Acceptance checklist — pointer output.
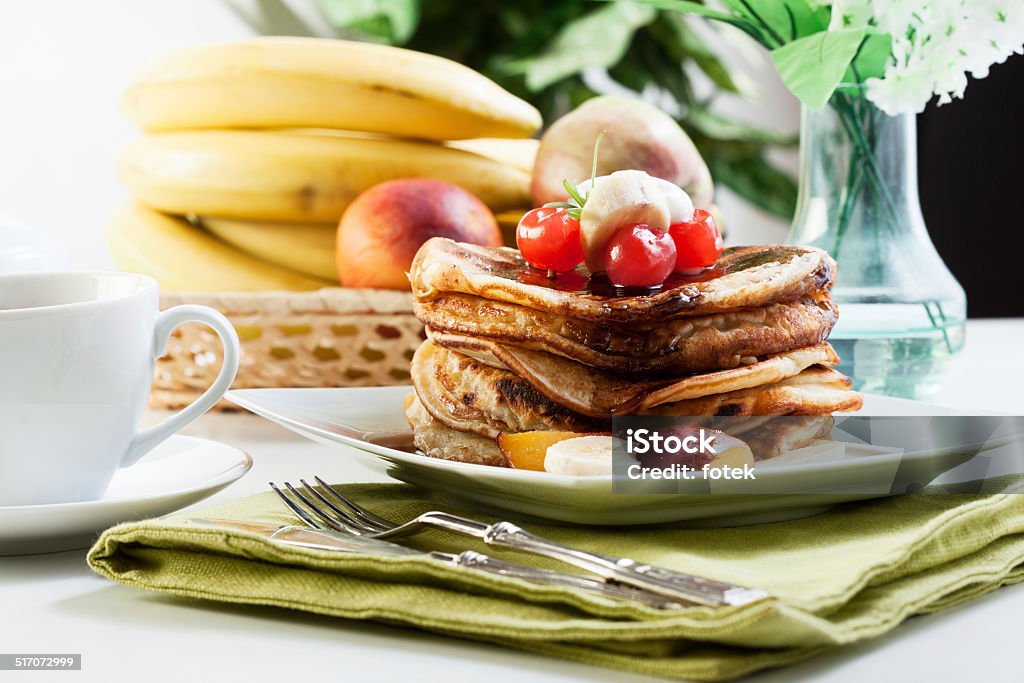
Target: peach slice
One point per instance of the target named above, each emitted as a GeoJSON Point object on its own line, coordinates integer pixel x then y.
{"type": "Point", "coordinates": [527, 450]}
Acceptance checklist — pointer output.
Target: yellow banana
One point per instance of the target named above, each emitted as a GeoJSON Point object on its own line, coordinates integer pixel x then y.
{"type": "Point", "coordinates": [306, 248]}
{"type": "Point", "coordinates": [315, 83]}
{"type": "Point", "coordinates": [515, 153]}
{"type": "Point", "coordinates": [184, 258]}
{"type": "Point", "coordinates": [298, 177]}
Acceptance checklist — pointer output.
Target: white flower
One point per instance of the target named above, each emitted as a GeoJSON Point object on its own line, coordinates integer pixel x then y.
{"type": "Point", "coordinates": [902, 91]}
{"type": "Point", "coordinates": [850, 14]}
{"type": "Point", "coordinates": [935, 44]}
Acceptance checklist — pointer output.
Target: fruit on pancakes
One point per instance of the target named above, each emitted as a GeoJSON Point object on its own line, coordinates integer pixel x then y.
{"type": "Point", "coordinates": [549, 239]}
{"type": "Point", "coordinates": [528, 450]}
{"type": "Point", "coordinates": [590, 455]}
{"type": "Point", "coordinates": [639, 257]}
{"type": "Point", "coordinates": [621, 223]}
{"type": "Point", "coordinates": [743, 278]}
{"type": "Point", "coordinates": [584, 456]}
{"type": "Point", "coordinates": [698, 242]}
{"type": "Point", "coordinates": [621, 199]}
{"type": "Point", "coordinates": [511, 351]}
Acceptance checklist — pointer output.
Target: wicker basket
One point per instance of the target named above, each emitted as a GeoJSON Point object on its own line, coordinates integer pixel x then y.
{"type": "Point", "coordinates": [327, 338]}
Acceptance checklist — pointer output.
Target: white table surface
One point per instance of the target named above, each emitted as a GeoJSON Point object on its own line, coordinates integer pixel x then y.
{"type": "Point", "coordinates": [54, 604]}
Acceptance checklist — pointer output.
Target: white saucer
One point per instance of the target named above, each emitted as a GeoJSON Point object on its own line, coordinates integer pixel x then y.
{"type": "Point", "coordinates": [181, 471]}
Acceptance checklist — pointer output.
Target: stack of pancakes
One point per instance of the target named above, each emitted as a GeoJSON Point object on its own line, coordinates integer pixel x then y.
{"type": "Point", "coordinates": [510, 350]}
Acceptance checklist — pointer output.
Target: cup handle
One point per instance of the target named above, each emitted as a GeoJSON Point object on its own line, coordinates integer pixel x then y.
{"type": "Point", "coordinates": [147, 439]}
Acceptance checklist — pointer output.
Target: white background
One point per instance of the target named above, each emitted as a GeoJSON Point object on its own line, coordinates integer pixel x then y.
{"type": "Point", "coordinates": [65, 63]}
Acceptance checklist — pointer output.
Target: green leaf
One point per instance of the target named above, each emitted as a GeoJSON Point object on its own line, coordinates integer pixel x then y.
{"type": "Point", "coordinates": [812, 67]}
{"type": "Point", "coordinates": [392, 21]}
{"type": "Point", "coordinates": [871, 59]}
{"type": "Point", "coordinates": [598, 38]}
{"type": "Point", "coordinates": [712, 125]}
{"type": "Point", "coordinates": [500, 39]}
{"type": "Point", "coordinates": [783, 20]}
{"type": "Point", "coordinates": [672, 33]}
{"type": "Point", "coordinates": [759, 183]}
{"type": "Point", "coordinates": [685, 7]}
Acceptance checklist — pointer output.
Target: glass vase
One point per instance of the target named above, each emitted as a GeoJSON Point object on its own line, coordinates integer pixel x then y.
{"type": "Point", "coordinates": [901, 312]}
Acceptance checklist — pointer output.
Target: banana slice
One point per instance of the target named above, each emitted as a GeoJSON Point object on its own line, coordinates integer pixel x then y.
{"type": "Point", "coordinates": [583, 456]}
{"type": "Point", "coordinates": [585, 186]}
{"type": "Point", "coordinates": [617, 200]}
{"type": "Point", "coordinates": [680, 206]}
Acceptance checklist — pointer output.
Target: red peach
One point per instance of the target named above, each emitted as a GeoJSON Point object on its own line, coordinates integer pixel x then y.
{"type": "Point", "coordinates": [637, 136]}
{"type": "Point", "coordinates": [383, 228]}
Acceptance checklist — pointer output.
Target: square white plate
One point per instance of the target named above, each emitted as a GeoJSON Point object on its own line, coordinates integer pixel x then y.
{"type": "Point", "coordinates": [371, 423]}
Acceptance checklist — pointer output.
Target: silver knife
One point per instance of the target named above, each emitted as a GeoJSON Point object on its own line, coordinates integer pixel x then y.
{"type": "Point", "coordinates": [323, 539]}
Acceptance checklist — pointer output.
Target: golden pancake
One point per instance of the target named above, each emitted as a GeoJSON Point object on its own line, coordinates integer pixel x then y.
{"type": "Point", "coordinates": [769, 436]}
{"type": "Point", "coordinates": [588, 391]}
{"type": "Point", "coordinates": [441, 430]}
{"type": "Point", "coordinates": [469, 396]}
{"type": "Point", "coordinates": [509, 349]}
{"type": "Point", "coordinates": [815, 391]}
{"type": "Point", "coordinates": [676, 347]}
{"type": "Point", "coordinates": [743, 277]}
{"type": "Point", "coordinates": [437, 440]}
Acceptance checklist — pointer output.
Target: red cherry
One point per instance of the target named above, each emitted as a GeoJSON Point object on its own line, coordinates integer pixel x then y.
{"type": "Point", "coordinates": [549, 239]}
{"type": "Point", "coordinates": [698, 243]}
{"type": "Point", "coordinates": [640, 257]}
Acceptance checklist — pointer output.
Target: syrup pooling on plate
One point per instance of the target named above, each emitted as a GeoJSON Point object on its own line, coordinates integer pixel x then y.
{"type": "Point", "coordinates": [744, 277]}
{"type": "Point", "coordinates": [579, 281]}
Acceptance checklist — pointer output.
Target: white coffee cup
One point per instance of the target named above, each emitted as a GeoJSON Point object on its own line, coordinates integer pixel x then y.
{"type": "Point", "coordinates": [77, 352]}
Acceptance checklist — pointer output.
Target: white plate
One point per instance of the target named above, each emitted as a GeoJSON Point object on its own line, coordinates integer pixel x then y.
{"type": "Point", "coordinates": [181, 471]}
{"type": "Point", "coordinates": [373, 422]}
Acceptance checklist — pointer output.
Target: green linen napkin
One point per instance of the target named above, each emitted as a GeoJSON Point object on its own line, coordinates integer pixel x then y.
{"type": "Point", "coordinates": [851, 573]}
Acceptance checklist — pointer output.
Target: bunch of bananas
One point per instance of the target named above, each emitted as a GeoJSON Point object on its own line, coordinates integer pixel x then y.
{"type": "Point", "coordinates": [253, 150]}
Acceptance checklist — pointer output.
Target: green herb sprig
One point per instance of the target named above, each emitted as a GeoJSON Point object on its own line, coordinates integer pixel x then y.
{"type": "Point", "coordinates": [574, 207]}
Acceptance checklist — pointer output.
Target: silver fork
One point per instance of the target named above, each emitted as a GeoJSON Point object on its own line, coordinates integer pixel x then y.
{"type": "Point", "coordinates": [337, 512]}
{"type": "Point", "coordinates": [468, 558]}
